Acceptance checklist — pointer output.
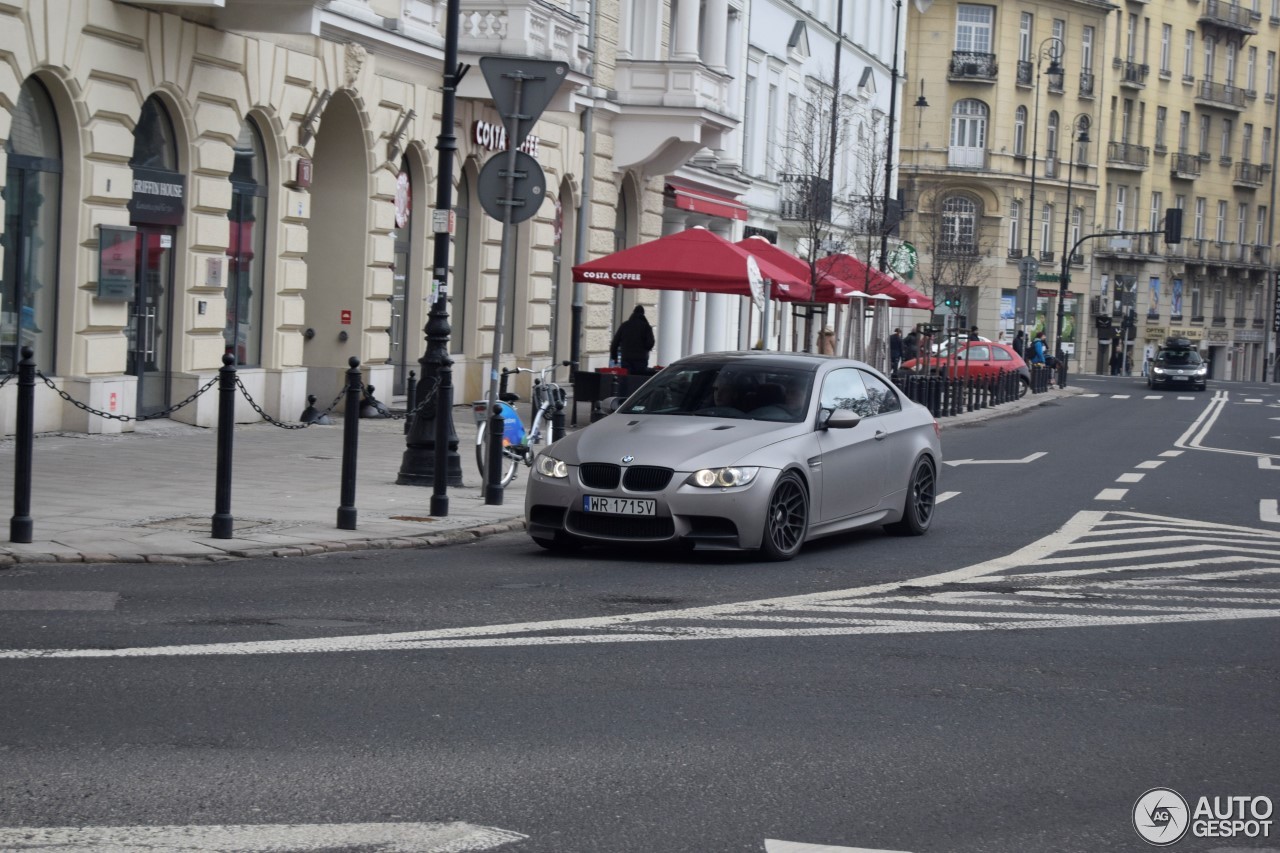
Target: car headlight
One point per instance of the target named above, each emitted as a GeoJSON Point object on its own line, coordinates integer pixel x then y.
{"type": "Point", "coordinates": [1159, 371]}
{"type": "Point", "coordinates": [549, 466]}
{"type": "Point", "coordinates": [1202, 370]}
{"type": "Point", "coordinates": [723, 478]}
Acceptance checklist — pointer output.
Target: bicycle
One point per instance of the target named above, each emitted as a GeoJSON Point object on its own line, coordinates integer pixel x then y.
{"type": "Point", "coordinates": [517, 442]}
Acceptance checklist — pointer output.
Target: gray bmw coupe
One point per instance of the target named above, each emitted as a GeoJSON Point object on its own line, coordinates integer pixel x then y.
{"type": "Point", "coordinates": [742, 450]}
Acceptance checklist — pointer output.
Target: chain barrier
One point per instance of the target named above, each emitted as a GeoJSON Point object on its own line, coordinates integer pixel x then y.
{"type": "Point", "coordinates": [281, 424]}
{"type": "Point", "coordinates": [399, 415]}
{"type": "Point", "coordinates": [6, 379]}
{"type": "Point", "coordinates": [109, 416]}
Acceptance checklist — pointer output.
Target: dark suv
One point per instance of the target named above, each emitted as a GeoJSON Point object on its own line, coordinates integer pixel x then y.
{"type": "Point", "coordinates": [1178, 365]}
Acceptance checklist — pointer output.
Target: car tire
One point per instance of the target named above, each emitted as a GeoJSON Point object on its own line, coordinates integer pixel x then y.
{"type": "Point", "coordinates": [920, 501]}
{"type": "Point", "coordinates": [1024, 385]}
{"type": "Point", "coordinates": [787, 519]}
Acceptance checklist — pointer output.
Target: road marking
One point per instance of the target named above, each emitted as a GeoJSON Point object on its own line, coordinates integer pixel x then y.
{"type": "Point", "coordinates": [1172, 453]}
{"type": "Point", "coordinates": [1186, 398]}
{"type": "Point", "coordinates": [1253, 399]}
{"type": "Point", "coordinates": [249, 838]}
{"type": "Point", "coordinates": [1024, 460]}
{"type": "Point", "coordinates": [1223, 552]}
{"type": "Point", "coordinates": [34, 599]}
{"type": "Point", "coordinates": [1154, 397]}
{"type": "Point", "coordinates": [1099, 395]}
{"type": "Point", "coordinates": [1155, 463]}
{"type": "Point", "coordinates": [1119, 396]}
{"type": "Point", "coordinates": [945, 496]}
{"type": "Point", "coordinates": [772, 845]}
{"type": "Point", "coordinates": [1130, 478]}
{"type": "Point", "coordinates": [1268, 463]}
{"type": "Point", "coordinates": [1268, 511]}
{"type": "Point", "coordinates": [1111, 495]}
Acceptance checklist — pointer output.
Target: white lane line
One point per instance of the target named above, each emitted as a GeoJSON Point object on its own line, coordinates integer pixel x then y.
{"type": "Point", "coordinates": [1186, 398]}
{"type": "Point", "coordinates": [1253, 399]}
{"type": "Point", "coordinates": [1119, 396]}
{"type": "Point", "coordinates": [1268, 511]}
{"type": "Point", "coordinates": [1221, 540]}
{"type": "Point", "coordinates": [1099, 395]}
{"type": "Point", "coordinates": [1130, 478]}
{"type": "Point", "coordinates": [945, 496]}
{"type": "Point", "coordinates": [248, 838]}
{"type": "Point", "coordinates": [1024, 460]}
{"type": "Point", "coordinates": [1111, 495]}
{"type": "Point", "coordinates": [1153, 463]}
{"type": "Point", "coordinates": [1154, 397]}
{"type": "Point", "coordinates": [1143, 567]}
{"type": "Point", "coordinates": [773, 845]}
{"type": "Point", "coordinates": [1169, 454]}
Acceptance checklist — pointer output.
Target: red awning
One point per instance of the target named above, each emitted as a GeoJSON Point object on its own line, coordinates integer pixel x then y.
{"type": "Point", "coordinates": [701, 201]}
{"type": "Point", "coordinates": [829, 288]}
{"type": "Point", "coordinates": [849, 269]}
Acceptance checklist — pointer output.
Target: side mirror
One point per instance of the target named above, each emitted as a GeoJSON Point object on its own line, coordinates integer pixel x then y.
{"type": "Point", "coordinates": [609, 405]}
{"type": "Point", "coordinates": [839, 419]}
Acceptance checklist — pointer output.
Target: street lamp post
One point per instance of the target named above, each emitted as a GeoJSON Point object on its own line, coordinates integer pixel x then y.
{"type": "Point", "coordinates": [1080, 125]}
{"type": "Point", "coordinates": [888, 160]}
{"type": "Point", "coordinates": [1055, 49]}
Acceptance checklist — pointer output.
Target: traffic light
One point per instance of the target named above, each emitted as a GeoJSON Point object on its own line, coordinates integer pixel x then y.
{"type": "Point", "coordinates": [1173, 225]}
{"type": "Point", "coordinates": [951, 301]}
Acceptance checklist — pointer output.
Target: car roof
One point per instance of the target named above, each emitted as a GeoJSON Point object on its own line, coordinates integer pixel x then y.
{"type": "Point", "coordinates": [766, 359]}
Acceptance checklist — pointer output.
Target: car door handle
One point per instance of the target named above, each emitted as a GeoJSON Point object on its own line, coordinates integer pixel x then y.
{"type": "Point", "coordinates": [881, 435]}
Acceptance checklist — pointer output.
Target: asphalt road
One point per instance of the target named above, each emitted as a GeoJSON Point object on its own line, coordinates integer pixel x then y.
{"type": "Point", "coordinates": [1013, 681]}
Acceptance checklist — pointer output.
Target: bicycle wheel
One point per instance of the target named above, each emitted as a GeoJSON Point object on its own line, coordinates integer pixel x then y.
{"type": "Point", "coordinates": [509, 459]}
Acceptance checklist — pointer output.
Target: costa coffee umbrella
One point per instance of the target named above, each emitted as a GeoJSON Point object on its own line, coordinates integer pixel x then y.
{"type": "Point", "coordinates": [853, 271]}
{"type": "Point", "coordinates": [828, 289]}
{"type": "Point", "coordinates": [695, 259]}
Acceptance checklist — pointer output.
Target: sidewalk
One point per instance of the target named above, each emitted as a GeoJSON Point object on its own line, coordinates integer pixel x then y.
{"type": "Point", "coordinates": [149, 495]}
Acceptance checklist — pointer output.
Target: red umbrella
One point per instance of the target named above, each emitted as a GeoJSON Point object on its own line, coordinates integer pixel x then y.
{"type": "Point", "coordinates": [854, 271]}
{"type": "Point", "coordinates": [829, 288]}
{"type": "Point", "coordinates": [694, 259]}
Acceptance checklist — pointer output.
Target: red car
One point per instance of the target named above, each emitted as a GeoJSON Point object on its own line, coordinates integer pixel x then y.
{"type": "Point", "coordinates": [977, 359]}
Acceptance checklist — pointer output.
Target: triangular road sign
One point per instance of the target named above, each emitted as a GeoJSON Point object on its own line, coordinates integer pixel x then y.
{"type": "Point", "coordinates": [540, 80]}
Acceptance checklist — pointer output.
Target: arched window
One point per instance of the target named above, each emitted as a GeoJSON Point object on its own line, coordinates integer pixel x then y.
{"type": "Point", "coordinates": [959, 225]}
{"type": "Point", "coordinates": [154, 143]}
{"type": "Point", "coordinates": [969, 134]}
{"type": "Point", "coordinates": [246, 248]}
{"type": "Point", "coordinates": [32, 208]}
{"type": "Point", "coordinates": [1020, 131]}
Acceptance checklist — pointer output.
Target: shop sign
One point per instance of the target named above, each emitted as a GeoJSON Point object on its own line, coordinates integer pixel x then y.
{"type": "Point", "coordinates": [1248, 336]}
{"type": "Point", "coordinates": [117, 263]}
{"type": "Point", "coordinates": [1156, 332]}
{"type": "Point", "coordinates": [344, 317]}
{"type": "Point", "coordinates": [493, 137]}
{"type": "Point", "coordinates": [158, 197]}
{"type": "Point", "coordinates": [1217, 335]}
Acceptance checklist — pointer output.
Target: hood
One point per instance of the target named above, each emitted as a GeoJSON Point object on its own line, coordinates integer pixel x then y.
{"type": "Point", "coordinates": [683, 443]}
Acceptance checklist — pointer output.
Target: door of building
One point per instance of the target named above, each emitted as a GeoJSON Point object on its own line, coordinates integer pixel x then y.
{"type": "Point", "coordinates": [150, 318]}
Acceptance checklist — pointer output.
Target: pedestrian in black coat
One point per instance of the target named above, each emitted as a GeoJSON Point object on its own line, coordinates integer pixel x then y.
{"type": "Point", "coordinates": [632, 343]}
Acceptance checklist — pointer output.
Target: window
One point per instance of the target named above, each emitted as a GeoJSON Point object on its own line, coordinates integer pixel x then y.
{"type": "Point", "coordinates": [1271, 73]}
{"type": "Point", "coordinates": [881, 398]}
{"type": "Point", "coordinates": [1226, 140]}
{"type": "Point", "coordinates": [968, 134]}
{"type": "Point", "coordinates": [1210, 52]}
{"type": "Point", "coordinates": [1221, 233]}
{"type": "Point", "coordinates": [1162, 116]}
{"type": "Point", "coordinates": [1266, 146]}
{"type": "Point", "coordinates": [1205, 126]}
{"type": "Point", "coordinates": [32, 207]}
{"type": "Point", "coordinates": [1231, 63]}
{"type": "Point", "coordinates": [1086, 50]}
{"type": "Point", "coordinates": [1219, 305]}
{"type": "Point", "coordinates": [1020, 131]}
{"type": "Point", "coordinates": [1260, 227]}
{"type": "Point", "coordinates": [749, 132]}
{"type": "Point", "coordinates": [1199, 224]}
{"type": "Point", "coordinates": [1189, 56]}
{"type": "Point", "coordinates": [1166, 47]}
{"type": "Point", "coordinates": [771, 129]}
{"type": "Point", "coordinates": [1046, 229]}
{"type": "Point", "coordinates": [973, 28]}
{"type": "Point", "coordinates": [1251, 70]}
{"type": "Point", "coordinates": [1077, 224]}
{"type": "Point", "coordinates": [1184, 132]}
{"type": "Point", "coordinates": [1197, 303]}
{"type": "Point", "coordinates": [1025, 28]}
{"type": "Point", "coordinates": [1015, 227]}
{"type": "Point", "coordinates": [1126, 119]}
{"type": "Point", "coordinates": [1246, 144]}
{"type": "Point", "coordinates": [1242, 224]}
{"type": "Point", "coordinates": [1122, 196]}
{"type": "Point", "coordinates": [1157, 211]}
{"type": "Point", "coordinates": [959, 224]}
{"type": "Point", "coordinates": [1131, 38]}
{"type": "Point", "coordinates": [246, 248]}
{"type": "Point", "coordinates": [1051, 138]}
{"type": "Point", "coordinates": [843, 389]}
{"type": "Point", "coordinates": [1059, 31]}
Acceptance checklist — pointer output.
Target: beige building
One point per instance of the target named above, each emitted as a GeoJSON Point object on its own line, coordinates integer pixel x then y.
{"type": "Point", "coordinates": [188, 178]}
{"type": "Point", "coordinates": [1039, 123]}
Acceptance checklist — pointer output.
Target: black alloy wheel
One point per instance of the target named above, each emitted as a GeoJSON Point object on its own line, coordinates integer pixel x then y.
{"type": "Point", "coordinates": [917, 513]}
{"type": "Point", "coordinates": [787, 519]}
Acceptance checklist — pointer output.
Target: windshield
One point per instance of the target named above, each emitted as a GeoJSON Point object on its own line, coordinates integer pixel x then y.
{"type": "Point", "coordinates": [726, 390]}
{"type": "Point", "coordinates": [1179, 358]}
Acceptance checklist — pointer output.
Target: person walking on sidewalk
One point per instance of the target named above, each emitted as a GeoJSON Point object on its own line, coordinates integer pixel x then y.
{"type": "Point", "coordinates": [633, 342]}
{"type": "Point", "coordinates": [895, 350]}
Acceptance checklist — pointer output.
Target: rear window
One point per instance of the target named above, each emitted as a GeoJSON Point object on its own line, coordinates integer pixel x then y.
{"type": "Point", "coordinates": [1179, 358]}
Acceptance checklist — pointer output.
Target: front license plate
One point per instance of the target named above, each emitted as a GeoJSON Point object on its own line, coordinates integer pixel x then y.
{"type": "Point", "coordinates": [619, 506]}
{"type": "Point", "coordinates": [1179, 378]}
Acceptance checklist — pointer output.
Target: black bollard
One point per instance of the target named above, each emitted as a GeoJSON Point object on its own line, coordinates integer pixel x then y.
{"type": "Point", "coordinates": [223, 523]}
{"type": "Point", "coordinates": [411, 400]}
{"type": "Point", "coordinates": [372, 407]}
{"type": "Point", "coordinates": [311, 415]}
{"type": "Point", "coordinates": [440, 454]}
{"type": "Point", "coordinates": [493, 459]}
{"type": "Point", "coordinates": [350, 441]}
{"type": "Point", "coordinates": [20, 525]}
{"type": "Point", "coordinates": [557, 418]}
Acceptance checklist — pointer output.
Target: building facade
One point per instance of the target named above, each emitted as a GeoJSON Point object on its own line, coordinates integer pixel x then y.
{"type": "Point", "coordinates": [1072, 119]}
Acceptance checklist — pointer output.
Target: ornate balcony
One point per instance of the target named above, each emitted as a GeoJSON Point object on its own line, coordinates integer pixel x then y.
{"type": "Point", "coordinates": [1086, 84]}
{"type": "Point", "coordinates": [957, 249]}
{"type": "Point", "coordinates": [1124, 155]}
{"type": "Point", "coordinates": [1229, 16]}
{"type": "Point", "coordinates": [533, 28]}
{"type": "Point", "coordinates": [968, 66]}
{"type": "Point", "coordinates": [668, 111]}
{"type": "Point", "coordinates": [1248, 175]}
{"type": "Point", "coordinates": [1185, 166]}
{"type": "Point", "coordinates": [1026, 72]}
{"type": "Point", "coordinates": [1133, 74]}
{"type": "Point", "coordinates": [805, 198]}
{"type": "Point", "coordinates": [1220, 95]}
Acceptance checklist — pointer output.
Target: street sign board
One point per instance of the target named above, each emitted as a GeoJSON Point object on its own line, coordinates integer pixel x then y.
{"type": "Point", "coordinates": [1027, 268]}
{"type": "Point", "coordinates": [538, 79]}
{"type": "Point", "coordinates": [527, 191]}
